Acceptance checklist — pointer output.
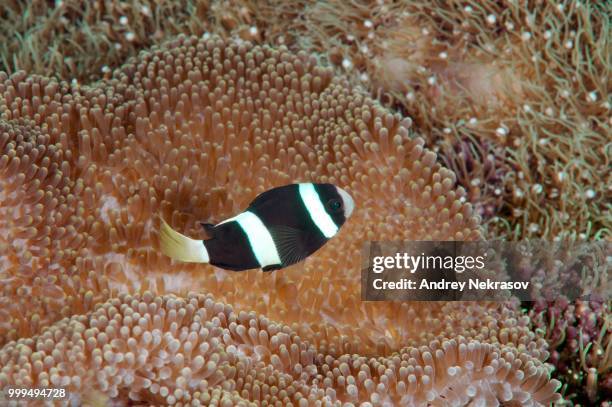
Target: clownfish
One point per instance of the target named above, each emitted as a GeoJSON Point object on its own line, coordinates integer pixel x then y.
{"type": "Point", "coordinates": [280, 227]}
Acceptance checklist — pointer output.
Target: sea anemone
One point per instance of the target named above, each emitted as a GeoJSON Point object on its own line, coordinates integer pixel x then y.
{"type": "Point", "coordinates": [195, 351]}
{"type": "Point", "coordinates": [192, 131]}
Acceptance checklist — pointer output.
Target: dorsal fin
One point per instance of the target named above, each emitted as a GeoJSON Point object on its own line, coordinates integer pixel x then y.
{"type": "Point", "coordinates": [208, 228]}
{"type": "Point", "coordinates": [271, 195]}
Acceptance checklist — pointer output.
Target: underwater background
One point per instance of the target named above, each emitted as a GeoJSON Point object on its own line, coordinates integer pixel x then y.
{"type": "Point", "coordinates": [445, 120]}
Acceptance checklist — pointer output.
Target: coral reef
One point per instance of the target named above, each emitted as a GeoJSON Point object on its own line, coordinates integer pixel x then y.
{"type": "Point", "coordinates": [581, 349]}
{"type": "Point", "coordinates": [84, 40]}
{"type": "Point", "coordinates": [195, 351]}
{"type": "Point", "coordinates": [572, 311]}
{"type": "Point", "coordinates": [518, 88]}
{"type": "Point", "coordinates": [512, 96]}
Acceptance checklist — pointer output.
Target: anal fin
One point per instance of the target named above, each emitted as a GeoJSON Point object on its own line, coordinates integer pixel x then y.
{"type": "Point", "coordinates": [272, 267]}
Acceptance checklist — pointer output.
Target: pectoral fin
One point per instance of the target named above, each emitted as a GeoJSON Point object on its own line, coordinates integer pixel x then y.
{"type": "Point", "coordinates": [291, 243]}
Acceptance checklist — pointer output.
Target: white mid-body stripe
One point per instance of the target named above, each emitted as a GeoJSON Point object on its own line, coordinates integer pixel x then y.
{"type": "Point", "coordinates": [316, 210]}
{"type": "Point", "coordinates": [259, 237]}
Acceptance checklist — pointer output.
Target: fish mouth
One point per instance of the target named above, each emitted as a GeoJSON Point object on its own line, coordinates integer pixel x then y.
{"type": "Point", "coordinates": [348, 202]}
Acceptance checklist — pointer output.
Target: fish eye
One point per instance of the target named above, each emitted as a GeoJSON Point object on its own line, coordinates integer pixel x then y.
{"type": "Point", "coordinates": [334, 204]}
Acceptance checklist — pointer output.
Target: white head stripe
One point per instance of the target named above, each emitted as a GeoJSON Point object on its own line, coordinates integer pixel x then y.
{"type": "Point", "coordinates": [259, 237]}
{"type": "Point", "coordinates": [316, 210]}
{"type": "Point", "coordinates": [349, 204]}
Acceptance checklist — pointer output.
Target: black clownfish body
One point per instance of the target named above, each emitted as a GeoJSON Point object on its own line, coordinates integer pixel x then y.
{"type": "Point", "coordinates": [281, 227]}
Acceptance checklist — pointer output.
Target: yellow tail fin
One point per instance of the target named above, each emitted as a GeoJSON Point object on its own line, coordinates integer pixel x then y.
{"type": "Point", "coordinates": [180, 247]}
